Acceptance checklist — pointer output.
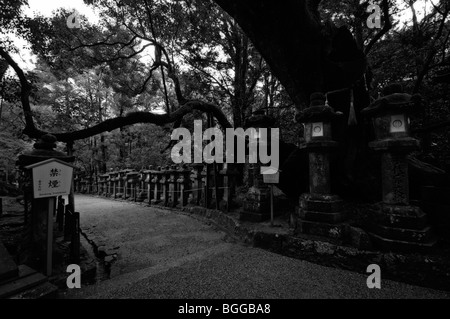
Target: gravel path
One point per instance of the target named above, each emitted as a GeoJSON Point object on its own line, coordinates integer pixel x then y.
{"type": "Point", "coordinates": [163, 254]}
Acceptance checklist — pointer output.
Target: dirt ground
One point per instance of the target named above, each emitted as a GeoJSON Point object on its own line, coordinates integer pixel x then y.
{"type": "Point", "coordinates": [156, 253]}
{"type": "Point", "coordinates": [11, 234]}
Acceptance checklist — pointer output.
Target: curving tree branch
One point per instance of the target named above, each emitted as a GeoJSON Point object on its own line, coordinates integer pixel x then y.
{"type": "Point", "coordinates": [111, 124]}
{"type": "Point", "coordinates": [25, 88]}
{"type": "Point", "coordinates": [135, 118]}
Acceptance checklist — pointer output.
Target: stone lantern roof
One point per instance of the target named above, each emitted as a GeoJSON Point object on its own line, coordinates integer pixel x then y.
{"type": "Point", "coordinates": [317, 111]}
{"type": "Point", "coordinates": [126, 171]}
{"type": "Point", "coordinates": [394, 100]}
{"type": "Point", "coordinates": [260, 120]}
{"type": "Point", "coordinates": [43, 149]}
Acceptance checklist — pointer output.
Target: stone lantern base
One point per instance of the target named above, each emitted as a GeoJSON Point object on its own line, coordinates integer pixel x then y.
{"type": "Point", "coordinates": [321, 208]}
{"type": "Point", "coordinates": [404, 228]}
{"type": "Point", "coordinates": [321, 215]}
{"type": "Point", "coordinates": [142, 196]}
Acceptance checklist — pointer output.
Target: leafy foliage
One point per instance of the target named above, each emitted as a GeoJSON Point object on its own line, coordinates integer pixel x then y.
{"type": "Point", "coordinates": [157, 55]}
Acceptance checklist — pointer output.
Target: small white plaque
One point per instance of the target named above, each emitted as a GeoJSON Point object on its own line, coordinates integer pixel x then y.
{"type": "Point", "coordinates": [317, 129]}
{"type": "Point", "coordinates": [398, 123]}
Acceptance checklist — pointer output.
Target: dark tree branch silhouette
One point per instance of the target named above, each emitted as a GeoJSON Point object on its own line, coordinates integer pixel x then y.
{"type": "Point", "coordinates": [110, 124]}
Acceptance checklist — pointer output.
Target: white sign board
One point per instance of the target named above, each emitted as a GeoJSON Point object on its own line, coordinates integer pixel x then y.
{"type": "Point", "coordinates": [51, 178]}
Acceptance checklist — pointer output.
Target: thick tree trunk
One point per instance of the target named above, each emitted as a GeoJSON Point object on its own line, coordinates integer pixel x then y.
{"type": "Point", "coordinates": [103, 154]}
{"type": "Point", "coordinates": [304, 55]}
{"type": "Point", "coordinates": [288, 37]}
{"type": "Point", "coordinates": [240, 73]}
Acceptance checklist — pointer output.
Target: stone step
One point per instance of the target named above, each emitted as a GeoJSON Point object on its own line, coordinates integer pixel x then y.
{"type": "Point", "coordinates": [403, 234]}
{"type": "Point", "coordinates": [22, 272]}
{"type": "Point", "coordinates": [336, 231]}
{"type": "Point", "coordinates": [386, 244]}
{"type": "Point", "coordinates": [43, 291]}
{"type": "Point", "coordinates": [325, 217]}
{"type": "Point", "coordinates": [8, 268]}
{"type": "Point", "coordinates": [27, 279]}
{"type": "Point", "coordinates": [326, 206]}
{"type": "Point", "coordinates": [418, 222]}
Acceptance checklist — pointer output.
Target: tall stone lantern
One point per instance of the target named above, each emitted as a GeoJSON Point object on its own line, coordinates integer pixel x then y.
{"type": "Point", "coordinates": [34, 244]}
{"type": "Point", "coordinates": [320, 212]}
{"type": "Point", "coordinates": [113, 185]}
{"type": "Point", "coordinates": [397, 225]}
{"type": "Point", "coordinates": [131, 181]}
{"type": "Point", "coordinates": [257, 200]}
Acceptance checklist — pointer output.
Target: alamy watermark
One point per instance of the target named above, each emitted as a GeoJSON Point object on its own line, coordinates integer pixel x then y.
{"type": "Point", "coordinates": [374, 280]}
{"type": "Point", "coordinates": [374, 19]}
{"type": "Point", "coordinates": [73, 21]}
{"type": "Point", "coordinates": [234, 153]}
{"type": "Point", "coordinates": [74, 279]}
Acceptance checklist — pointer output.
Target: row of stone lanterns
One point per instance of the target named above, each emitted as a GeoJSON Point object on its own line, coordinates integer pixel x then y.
{"type": "Point", "coordinates": [395, 223]}
{"type": "Point", "coordinates": [257, 200]}
{"type": "Point", "coordinates": [169, 186]}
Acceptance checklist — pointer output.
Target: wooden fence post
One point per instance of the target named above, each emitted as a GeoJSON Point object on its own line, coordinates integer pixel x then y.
{"type": "Point", "coordinates": [75, 243]}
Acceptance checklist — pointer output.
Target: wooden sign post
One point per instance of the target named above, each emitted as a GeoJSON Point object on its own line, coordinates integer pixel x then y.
{"type": "Point", "coordinates": [271, 179]}
{"type": "Point", "coordinates": [51, 178]}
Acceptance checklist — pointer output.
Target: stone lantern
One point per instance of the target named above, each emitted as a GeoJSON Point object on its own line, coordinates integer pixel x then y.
{"type": "Point", "coordinates": [118, 183]}
{"type": "Point", "coordinates": [157, 188]}
{"type": "Point", "coordinates": [228, 173]}
{"type": "Point", "coordinates": [183, 184]}
{"type": "Point", "coordinates": [132, 179]}
{"type": "Point", "coordinates": [102, 188]}
{"type": "Point", "coordinates": [206, 179]}
{"type": "Point", "coordinates": [172, 183]}
{"type": "Point", "coordinates": [144, 189]}
{"type": "Point", "coordinates": [34, 246]}
{"type": "Point", "coordinates": [123, 182]}
{"type": "Point", "coordinates": [396, 224]}
{"type": "Point", "coordinates": [127, 182]}
{"type": "Point", "coordinates": [320, 212]}
{"type": "Point", "coordinates": [257, 199]}
{"type": "Point", "coordinates": [152, 183]}
{"type": "Point", "coordinates": [76, 182]}
{"type": "Point", "coordinates": [164, 185]}
{"type": "Point", "coordinates": [196, 178]}
{"type": "Point", "coordinates": [113, 184]}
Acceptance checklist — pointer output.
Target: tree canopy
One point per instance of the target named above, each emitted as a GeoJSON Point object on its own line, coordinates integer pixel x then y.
{"type": "Point", "coordinates": [162, 61]}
